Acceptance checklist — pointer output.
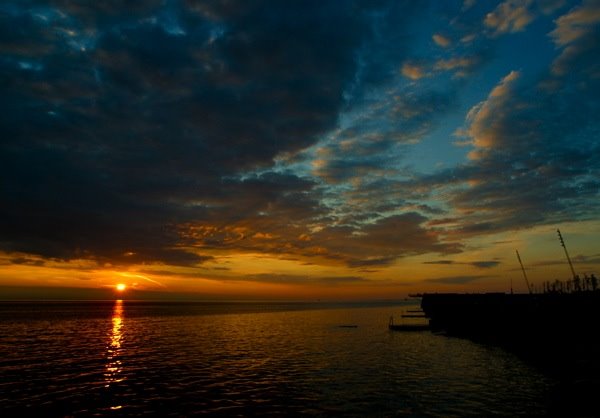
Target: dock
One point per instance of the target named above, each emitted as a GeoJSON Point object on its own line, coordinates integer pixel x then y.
{"type": "Point", "coordinates": [544, 327]}
{"type": "Point", "coordinates": [555, 332]}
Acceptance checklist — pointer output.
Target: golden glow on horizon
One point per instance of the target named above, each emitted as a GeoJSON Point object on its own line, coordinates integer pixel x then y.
{"type": "Point", "coordinates": [121, 287]}
{"type": "Point", "coordinates": [131, 275]}
{"type": "Point", "coordinates": [239, 275]}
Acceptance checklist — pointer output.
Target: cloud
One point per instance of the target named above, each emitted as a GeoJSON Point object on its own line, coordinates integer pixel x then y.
{"type": "Point", "coordinates": [483, 128]}
{"type": "Point", "coordinates": [371, 146]}
{"type": "Point", "coordinates": [122, 124]}
{"type": "Point", "coordinates": [576, 33]}
{"type": "Point", "coordinates": [27, 261]}
{"type": "Point", "coordinates": [371, 262]}
{"type": "Point", "coordinates": [463, 65]}
{"type": "Point", "coordinates": [485, 264]}
{"type": "Point", "coordinates": [478, 264]}
{"type": "Point", "coordinates": [455, 279]}
{"type": "Point", "coordinates": [467, 4]}
{"type": "Point", "coordinates": [298, 279]}
{"type": "Point", "coordinates": [453, 63]}
{"type": "Point", "coordinates": [384, 240]}
{"type": "Point", "coordinates": [593, 259]}
{"type": "Point", "coordinates": [578, 23]}
{"type": "Point", "coordinates": [550, 6]}
{"type": "Point", "coordinates": [413, 71]}
{"type": "Point", "coordinates": [355, 244]}
{"type": "Point", "coordinates": [168, 132]}
{"type": "Point", "coordinates": [510, 16]}
{"type": "Point", "coordinates": [151, 133]}
{"type": "Point", "coordinates": [531, 162]}
{"type": "Point", "coordinates": [441, 40]}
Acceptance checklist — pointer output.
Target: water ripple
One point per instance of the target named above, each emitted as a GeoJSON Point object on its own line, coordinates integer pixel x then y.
{"type": "Point", "coordinates": [133, 360]}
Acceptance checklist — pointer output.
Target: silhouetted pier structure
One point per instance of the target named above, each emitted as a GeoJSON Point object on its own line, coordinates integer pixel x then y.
{"type": "Point", "coordinates": [517, 318]}
{"type": "Point", "coordinates": [557, 332]}
{"type": "Point", "coordinates": [565, 318]}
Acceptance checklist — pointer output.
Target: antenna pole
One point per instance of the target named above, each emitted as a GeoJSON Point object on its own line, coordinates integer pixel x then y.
{"type": "Point", "coordinates": [562, 242]}
{"type": "Point", "coordinates": [524, 274]}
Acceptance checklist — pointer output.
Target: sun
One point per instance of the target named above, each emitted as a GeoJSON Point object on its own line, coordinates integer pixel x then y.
{"type": "Point", "coordinates": [121, 287]}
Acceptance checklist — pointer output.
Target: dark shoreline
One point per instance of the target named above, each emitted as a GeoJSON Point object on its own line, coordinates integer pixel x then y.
{"type": "Point", "coordinates": [555, 332]}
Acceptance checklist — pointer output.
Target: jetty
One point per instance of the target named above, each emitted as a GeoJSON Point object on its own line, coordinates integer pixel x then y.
{"type": "Point", "coordinates": [516, 319]}
{"type": "Point", "coordinates": [561, 320]}
{"type": "Point", "coordinates": [556, 332]}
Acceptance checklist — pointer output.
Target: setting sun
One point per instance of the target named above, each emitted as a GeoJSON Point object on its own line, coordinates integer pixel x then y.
{"type": "Point", "coordinates": [121, 287]}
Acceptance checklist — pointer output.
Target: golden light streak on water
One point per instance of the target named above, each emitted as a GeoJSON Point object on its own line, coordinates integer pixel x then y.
{"type": "Point", "coordinates": [114, 366]}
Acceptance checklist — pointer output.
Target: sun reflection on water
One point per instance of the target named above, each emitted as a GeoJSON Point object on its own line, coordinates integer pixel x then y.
{"type": "Point", "coordinates": [114, 366]}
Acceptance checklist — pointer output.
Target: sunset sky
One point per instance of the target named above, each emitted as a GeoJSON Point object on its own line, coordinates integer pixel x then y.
{"type": "Point", "coordinates": [297, 149]}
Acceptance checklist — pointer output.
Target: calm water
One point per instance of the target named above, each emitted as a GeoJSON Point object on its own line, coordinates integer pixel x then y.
{"type": "Point", "coordinates": [140, 359]}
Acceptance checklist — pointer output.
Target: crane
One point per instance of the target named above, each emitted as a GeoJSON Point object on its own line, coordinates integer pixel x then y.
{"type": "Point", "coordinates": [562, 242]}
{"type": "Point", "coordinates": [524, 274]}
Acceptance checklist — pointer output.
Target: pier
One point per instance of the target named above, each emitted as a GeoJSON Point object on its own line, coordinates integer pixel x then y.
{"type": "Point", "coordinates": [556, 332]}
{"type": "Point", "coordinates": [517, 320]}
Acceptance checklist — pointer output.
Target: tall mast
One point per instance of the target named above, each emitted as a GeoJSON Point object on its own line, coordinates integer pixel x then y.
{"type": "Point", "coordinates": [562, 242]}
{"type": "Point", "coordinates": [524, 274]}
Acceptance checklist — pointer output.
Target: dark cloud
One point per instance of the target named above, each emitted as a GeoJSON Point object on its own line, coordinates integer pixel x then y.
{"type": "Point", "coordinates": [27, 261]}
{"type": "Point", "coordinates": [485, 264]}
{"type": "Point", "coordinates": [577, 259]}
{"type": "Point", "coordinates": [455, 279]}
{"type": "Point", "coordinates": [430, 210]}
{"type": "Point", "coordinates": [371, 262]}
{"type": "Point", "coordinates": [383, 241]}
{"type": "Point", "coordinates": [299, 279]}
{"type": "Point", "coordinates": [357, 244]}
{"type": "Point", "coordinates": [478, 264]}
{"type": "Point", "coordinates": [121, 123]}
{"type": "Point", "coordinates": [158, 132]}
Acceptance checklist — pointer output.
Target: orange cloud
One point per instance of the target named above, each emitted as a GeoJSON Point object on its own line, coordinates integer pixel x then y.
{"type": "Point", "coordinates": [413, 71]}
{"type": "Point", "coordinates": [510, 16]}
{"type": "Point", "coordinates": [441, 40]}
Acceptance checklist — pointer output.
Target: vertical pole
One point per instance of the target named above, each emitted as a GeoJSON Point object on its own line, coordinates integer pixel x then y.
{"type": "Point", "coordinates": [562, 242]}
{"type": "Point", "coordinates": [524, 274]}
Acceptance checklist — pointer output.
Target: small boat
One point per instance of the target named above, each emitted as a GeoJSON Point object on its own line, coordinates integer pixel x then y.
{"type": "Point", "coordinates": [407, 327]}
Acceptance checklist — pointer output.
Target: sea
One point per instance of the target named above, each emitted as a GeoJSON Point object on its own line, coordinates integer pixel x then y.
{"type": "Point", "coordinates": [179, 359]}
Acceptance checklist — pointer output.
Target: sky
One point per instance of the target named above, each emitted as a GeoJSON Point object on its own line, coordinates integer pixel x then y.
{"type": "Point", "coordinates": [297, 149]}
